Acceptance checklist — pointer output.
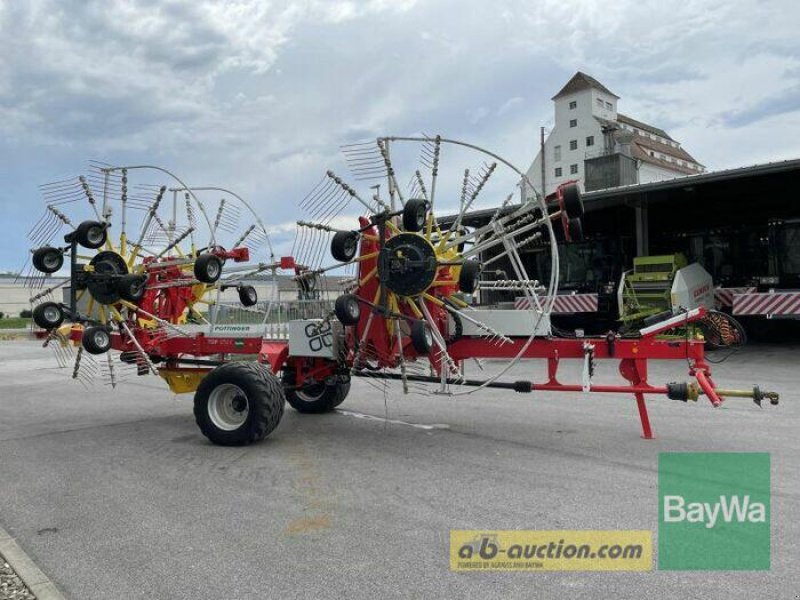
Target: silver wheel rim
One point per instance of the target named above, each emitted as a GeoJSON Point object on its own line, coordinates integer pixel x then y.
{"type": "Point", "coordinates": [306, 397]}
{"type": "Point", "coordinates": [222, 407]}
{"type": "Point", "coordinates": [100, 339]}
{"type": "Point", "coordinates": [95, 235]}
{"type": "Point", "coordinates": [212, 269]}
{"type": "Point", "coordinates": [52, 314]}
{"type": "Point", "coordinates": [354, 309]}
{"type": "Point", "coordinates": [51, 260]}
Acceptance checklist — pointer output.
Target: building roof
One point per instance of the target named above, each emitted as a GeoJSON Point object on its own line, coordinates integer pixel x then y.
{"type": "Point", "coordinates": [581, 81]}
{"type": "Point", "coordinates": [737, 174]}
{"type": "Point", "coordinates": [748, 177]}
{"type": "Point", "coordinates": [643, 126]}
{"type": "Point", "coordinates": [642, 147]}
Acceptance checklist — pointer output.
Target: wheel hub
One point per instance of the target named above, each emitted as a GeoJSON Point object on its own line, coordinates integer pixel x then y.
{"type": "Point", "coordinates": [108, 266]}
{"type": "Point", "coordinates": [407, 264]}
{"type": "Point", "coordinates": [228, 407]}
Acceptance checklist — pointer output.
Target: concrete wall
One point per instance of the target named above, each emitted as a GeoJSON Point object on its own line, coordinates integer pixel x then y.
{"type": "Point", "coordinates": [13, 298]}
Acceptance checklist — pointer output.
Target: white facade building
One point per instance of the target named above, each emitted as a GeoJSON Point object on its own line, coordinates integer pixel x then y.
{"type": "Point", "coordinates": [592, 143]}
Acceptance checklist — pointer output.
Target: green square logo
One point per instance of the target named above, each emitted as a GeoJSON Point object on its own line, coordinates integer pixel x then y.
{"type": "Point", "coordinates": [714, 511]}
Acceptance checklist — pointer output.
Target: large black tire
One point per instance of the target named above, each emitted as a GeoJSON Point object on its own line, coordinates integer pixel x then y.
{"type": "Point", "coordinates": [469, 276]}
{"type": "Point", "coordinates": [48, 259]}
{"type": "Point", "coordinates": [344, 245]}
{"type": "Point", "coordinates": [48, 315]}
{"type": "Point", "coordinates": [415, 213]}
{"type": "Point", "coordinates": [131, 287]}
{"type": "Point", "coordinates": [250, 386]}
{"type": "Point", "coordinates": [573, 204]}
{"type": "Point", "coordinates": [208, 268]}
{"type": "Point", "coordinates": [96, 339]}
{"type": "Point", "coordinates": [91, 234]}
{"type": "Point", "coordinates": [347, 309]}
{"type": "Point", "coordinates": [319, 398]}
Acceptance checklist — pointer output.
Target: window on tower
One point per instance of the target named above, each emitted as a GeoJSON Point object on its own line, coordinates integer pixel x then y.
{"type": "Point", "coordinates": [573, 122]}
{"type": "Point", "coordinates": [556, 153]}
{"type": "Point", "coordinates": [573, 144]}
{"type": "Point", "coordinates": [590, 140]}
{"type": "Point", "coordinates": [573, 169]}
{"type": "Point", "coordinates": [573, 105]}
{"type": "Point", "coordinates": [558, 171]}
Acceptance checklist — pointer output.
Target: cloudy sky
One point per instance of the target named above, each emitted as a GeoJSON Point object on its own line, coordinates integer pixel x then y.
{"type": "Point", "coordinates": [259, 95]}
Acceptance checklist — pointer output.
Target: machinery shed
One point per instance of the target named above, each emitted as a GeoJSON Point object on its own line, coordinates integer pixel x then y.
{"type": "Point", "coordinates": [742, 225]}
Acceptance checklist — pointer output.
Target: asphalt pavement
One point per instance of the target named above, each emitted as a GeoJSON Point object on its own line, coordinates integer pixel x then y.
{"type": "Point", "coordinates": [115, 494]}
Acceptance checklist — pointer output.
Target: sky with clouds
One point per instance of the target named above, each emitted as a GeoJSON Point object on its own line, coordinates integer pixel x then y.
{"type": "Point", "coordinates": [259, 95]}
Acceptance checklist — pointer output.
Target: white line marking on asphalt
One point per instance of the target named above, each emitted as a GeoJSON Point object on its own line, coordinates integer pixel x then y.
{"type": "Point", "coordinates": [358, 415]}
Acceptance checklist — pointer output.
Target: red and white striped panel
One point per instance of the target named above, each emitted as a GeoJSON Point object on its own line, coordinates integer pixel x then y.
{"type": "Point", "coordinates": [778, 303]}
{"type": "Point", "coordinates": [723, 297]}
{"type": "Point", "coordinates": [568, 303]}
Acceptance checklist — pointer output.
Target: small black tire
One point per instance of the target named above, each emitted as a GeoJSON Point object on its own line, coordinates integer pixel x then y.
{"type": "Point", "coordinates": [247, 295]}
{"type": "Point", "coordinates": [48, 315]}
{"type": "Point", "coordinates": [572, 201]}
{"type": "Point", "coordinates": [240, 382]}
{"type": "Point", "coordinates": [421, 337]}
{"type": "Point", "coordinates": [91, 234]}
{"type": "Point", "coordinates": [315, 399]}
{"type": "Point", "coordinates": [575, 230]}
{"type": "Point", "coordinates": [347, 309]}
{"type": "Point", "coordinates": [208, 268]}
{"type": "Point", "coordinates": [96, 340]}
{"type": "Point", "coordinates": [344, 245]}
{"type": "Point", "coordinates": [469, 276]}
{"type": "Point", "coordinates": [131, 287]}
{"type": "Point", "coordinates": [415, 213]}
{"type": "Point", "coordinates": [48, 259]}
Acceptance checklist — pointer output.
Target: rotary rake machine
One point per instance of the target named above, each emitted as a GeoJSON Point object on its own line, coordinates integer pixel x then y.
{"type": "Point", "coordinates": [416, 301]}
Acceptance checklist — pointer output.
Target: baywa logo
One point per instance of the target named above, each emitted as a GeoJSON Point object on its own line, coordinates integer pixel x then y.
{"type": "Point", "coordinates": [714, 511]}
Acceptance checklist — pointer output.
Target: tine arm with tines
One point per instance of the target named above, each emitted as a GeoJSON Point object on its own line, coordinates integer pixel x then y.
{"type": "Point", "coordinates": [383, 146]}
{"type": "Point", "coordinates": [421, 184]}
{"type": "Point", "coordinates": [217, 219]}
{"type": "Point", "coordinates": [191, 218]}
{"type": "Point", "coordinates": [437, 146]}
{"type": "Point", "coordinates": [353, 193]}
{"type": "Point", "coordinates": [492, 226]}
{"type": "Point", "coordinates": [452, 368]}
{"type": "Point", "coordinates": [177, 241]}
{"type": "Point", "coordinates": [148, 219]}
{"type": "Point", "coordinates": [48, 291]}
{"type": "Point", "coordinates": [243, 237]}
{"type": "Point", "coordinates": [318, 189]}
{"type": "Point", "coordinates": [479, 324]}
{"type": "Point", "coordinates": [89, 196]}
{"type": "Point", "coordinates": [138, 346]}
{"type": "Point", "coordinates": [124, 210]}
{"type": "Point", "coordinates": [465, 206]}
{"type": "Point", "coordinates": [330, 205]}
